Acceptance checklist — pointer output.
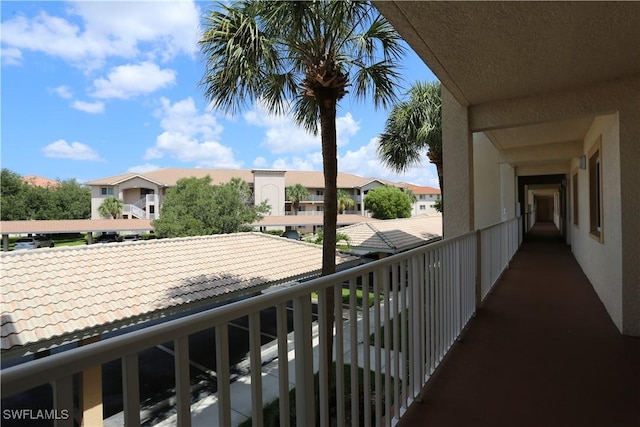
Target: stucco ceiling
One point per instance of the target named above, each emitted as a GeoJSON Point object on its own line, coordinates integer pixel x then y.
{"type": "Point", "coordinates": [484, 52]}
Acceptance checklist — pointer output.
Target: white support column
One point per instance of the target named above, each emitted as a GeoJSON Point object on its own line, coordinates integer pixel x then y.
{"type": "Point", "coordinates": [629, 122]}
{"type": "Point", "coordinates": [457, 153]}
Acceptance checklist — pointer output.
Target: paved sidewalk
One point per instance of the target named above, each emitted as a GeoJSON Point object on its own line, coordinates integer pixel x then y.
{"type": "Point", "coordinates": [204, 413]}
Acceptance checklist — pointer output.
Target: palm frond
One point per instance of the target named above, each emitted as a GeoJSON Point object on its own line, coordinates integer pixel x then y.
{"type": "Point", "coordinates": [306, 113]}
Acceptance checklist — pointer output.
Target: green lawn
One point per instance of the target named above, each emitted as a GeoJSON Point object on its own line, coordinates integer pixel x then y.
{"type": "Point", "coordinates": [359, 297]}
{"type": "Point", "coordinates": [271, 411]}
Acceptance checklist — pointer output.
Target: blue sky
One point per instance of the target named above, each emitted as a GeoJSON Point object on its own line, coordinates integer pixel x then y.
{"type": "Point", "coordinates": [94, 89]}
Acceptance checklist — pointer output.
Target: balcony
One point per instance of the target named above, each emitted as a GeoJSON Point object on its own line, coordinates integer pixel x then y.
{"type": "Point", "coordinates": [530, 346]}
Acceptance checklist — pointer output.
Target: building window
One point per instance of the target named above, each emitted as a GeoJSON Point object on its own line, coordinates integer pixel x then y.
{"type": "Point", "coordinates": [574, 189]}
{"type": "Point", "coordinates": [595, 191]}
{"type": "Point", "coordinates": [301, 208]}
{"type": "Point", "coordinates": [423, 207]}
{"type": "Point", "coordinates": [319, 208]}
{"type": "Point", "coordinates": [319, 192]}
{"type": "Point", "coordinates": [106, 191]}
{"type": "Point", "coordinates": [422, 197]}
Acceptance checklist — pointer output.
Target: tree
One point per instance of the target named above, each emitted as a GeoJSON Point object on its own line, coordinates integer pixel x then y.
{"type": "Point", "coordinates": [295, 194]}
{"type": "Point", "coordinates": [388, 202]}
{"type": "Point", "coordinates": [194, 207]}
{"type": "Point", "coordinates": [300, 57]}
{"type": "Point", "coordinates": [13, 190]}
{"type": "Point", "coordinates": [344, 201]}
{"type": "Point", "coordinates": [438, 205]}
{"type": "Point", "coordinates": [22, 201]}
{"type": "Point", "coordinates": [111, 206]}
{"type": "Point", "coordinates": [412, 196]}
{"type": "Point", "coordinates": [71, 200]}
{"type": "Point", "coordinates": [412, 127]}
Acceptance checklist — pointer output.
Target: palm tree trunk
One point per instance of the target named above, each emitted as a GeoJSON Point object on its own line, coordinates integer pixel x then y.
{"type": "Point", "coordinates": [330, 168]}
{"type": "Point", "coordinates": [435, 157]}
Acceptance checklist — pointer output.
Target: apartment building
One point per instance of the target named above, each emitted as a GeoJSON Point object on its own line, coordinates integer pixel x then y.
{"type": "Point", "coordinates": [143, 194]}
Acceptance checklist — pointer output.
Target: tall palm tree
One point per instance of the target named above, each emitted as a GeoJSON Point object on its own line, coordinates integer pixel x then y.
{"type": "Point", "coordinates": [295, 194]}
{"type": "Point", "coordinates": [111, 206]}
{"type": "Point", "coordinates": [413, 126]}
{"type": "Point", "coordinates": [344, 201]}
{"type": "Point", "coordinates": [299, 57]}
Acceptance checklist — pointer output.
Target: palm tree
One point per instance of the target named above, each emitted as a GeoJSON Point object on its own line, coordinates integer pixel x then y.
{"type": "Point", "coordinates": [412, 196]}
{"type": "Point", "coordinates": [295, 194]}
{"type": "Point", "coordinates": [344, 201]}
{"type": "Point", "coordinates": [412, 127]}
{"type": "Point", "coordinates": [300, 57]}
{"type": "Point", "coordinates": [111, 206]}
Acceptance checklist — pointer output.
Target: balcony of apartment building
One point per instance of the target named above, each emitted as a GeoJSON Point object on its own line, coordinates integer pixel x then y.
{"type": "Point", "coordinates": [507, 321]}
{"type": "Point", "coordinates": [502, 328]}
{"type": "Point", "coordinates": [140, 204]}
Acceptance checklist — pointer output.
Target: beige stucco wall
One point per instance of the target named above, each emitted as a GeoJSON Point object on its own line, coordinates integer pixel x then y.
{"type": "Point", "coordinates": [602, 262]}
{"type": "Point", "coordinates": [508, 192]}
{"type": "Point", "coordinates": [487, 186]}
{"type": "Point", "coordinates": [457, 155]}
{"type": "Point", "coordinates": [97, 198]}
{"type": "Point", "coordinates": [269, 186]}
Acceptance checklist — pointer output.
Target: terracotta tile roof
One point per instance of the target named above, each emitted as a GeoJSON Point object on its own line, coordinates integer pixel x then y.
{"type": "Point", "coordinates": [305, 220]}
{"type": "Point", "coordinates": [39, 181]}
{"type": "Point", "coordinates": [170, 176]}
{"type": "Point", "coordinates": [74, 226]}
{"type": "Point", "coordinates": [417, 189]}
{"type": "Point", "coordinates": [395, 235]}
{"type": "Point", "coordinates": [112, 180]}
{"type": "Point", "coordinates": [52, 296]}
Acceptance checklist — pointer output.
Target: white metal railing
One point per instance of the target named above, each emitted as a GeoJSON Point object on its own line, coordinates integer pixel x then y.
{"type": "Point", "coordinates": [134, 210]}
{"type": "Point", "coordinates": [305, 213]}
{"type": "Point", "coordinates": [430, 293]}
{"type": "Point", "coordinates": [497, 245]}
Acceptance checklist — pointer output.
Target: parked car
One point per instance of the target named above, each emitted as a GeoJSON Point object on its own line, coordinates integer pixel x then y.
{"type": "Point", "coordinates": [291, 234]}
{"type": "Point", "coordinates": [131, 238]}
{"type": "Point", "coordinates": [33, 242]}
{"type": "Point", "coordinates": [108, 238]}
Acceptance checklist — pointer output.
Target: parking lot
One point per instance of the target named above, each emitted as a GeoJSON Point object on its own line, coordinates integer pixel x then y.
{"type": "Point", "coordinates": [157, 379]}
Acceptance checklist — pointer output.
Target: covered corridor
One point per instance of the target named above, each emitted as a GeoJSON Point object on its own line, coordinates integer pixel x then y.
{"type": "Point", "coordinates": [542, 352]}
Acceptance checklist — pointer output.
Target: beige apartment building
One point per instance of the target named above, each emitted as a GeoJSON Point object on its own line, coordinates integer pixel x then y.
{"type": "Point", "coordinates": [143, 193]}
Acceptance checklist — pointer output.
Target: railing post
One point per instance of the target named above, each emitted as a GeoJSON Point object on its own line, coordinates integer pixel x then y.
{"type": "Point", "coordinates": [131, 390]}
{"type": "Point", "coordinates": [478, 270]}
{"type": "Point", "coordinates": [183, 389]}
{"type": "Point", "coordinates": [283, 365]}
{"type": "Point", "coordinates": [255, 361]}
{"type": "Point", "coordinates": [305, 407]}
{"type": "Point", "coordinates": [223, 374]}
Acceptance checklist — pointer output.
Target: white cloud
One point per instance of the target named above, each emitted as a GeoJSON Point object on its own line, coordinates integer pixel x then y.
{"type": "Point", "coordinates": [76, 151]}
{"type": "Point", "coordinates": [89, 107]}
{"type": "Point", "coordinates": [260, 162]}
{"type": "Point", "coordinates": [11, 56]}
{"type": "Point", "coordinates": [365, 162]}
{"type": "Point", "coordinates": [191, 137]}
{"type": "Point", "coordinates": [283, 135]}
{"type": "Point", "coordinates": [63, 92]}
{"type": "Point", "coordinates": [92, 31]}
{"type": "Point", "coordinates": [299, 163]}
{"type": "Point", "coordinates": [147, 167]}
{"type": "Point", "coordinates": [127, 81]}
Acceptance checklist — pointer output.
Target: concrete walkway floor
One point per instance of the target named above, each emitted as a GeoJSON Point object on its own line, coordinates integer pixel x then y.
{"type": "Point", "coordinates": [542, 352]}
